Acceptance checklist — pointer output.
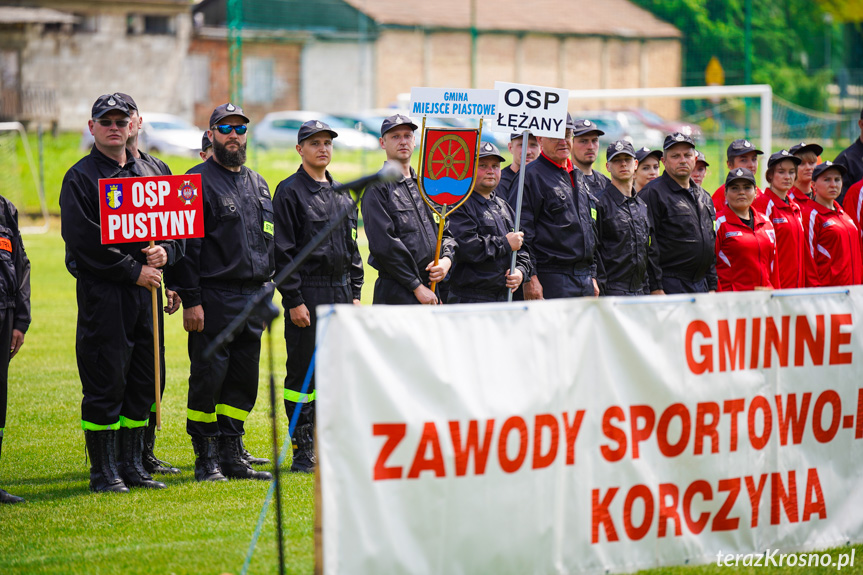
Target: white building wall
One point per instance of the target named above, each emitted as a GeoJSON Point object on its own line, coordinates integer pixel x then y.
{"type": "Point", "coordinates": [337, 77]}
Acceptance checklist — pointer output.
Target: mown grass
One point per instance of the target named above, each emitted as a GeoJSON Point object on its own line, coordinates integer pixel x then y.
{"type": "Point", "coordinates": [188, 528]}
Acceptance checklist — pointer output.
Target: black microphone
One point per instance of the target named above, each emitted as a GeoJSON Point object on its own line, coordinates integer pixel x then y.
{"type": "Point", "coordinates": [262, 303]}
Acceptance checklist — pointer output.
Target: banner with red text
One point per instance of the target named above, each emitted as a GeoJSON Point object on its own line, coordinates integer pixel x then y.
{"type": "Point", "coordinates": [590, 435]}
{"type": "Point", "coordinates": [150, 208]}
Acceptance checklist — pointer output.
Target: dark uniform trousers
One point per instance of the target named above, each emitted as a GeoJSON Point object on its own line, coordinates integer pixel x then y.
{"type": "Point", "coordinates": [114, 348]}
{"type": "Point", "coordinates": [7, 317]}
{"type": "Point", "coordinates": [223, 390]}
{"type": "Point", "coordinates": [560, 282]}
{"type": "Point", "coordinates": [673, 285]}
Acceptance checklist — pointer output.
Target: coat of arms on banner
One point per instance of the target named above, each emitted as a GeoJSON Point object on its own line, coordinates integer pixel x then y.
{"type": "Point", "coordinates": [448, 164]}
{"type": "Point", "coordinates": [187, 192]}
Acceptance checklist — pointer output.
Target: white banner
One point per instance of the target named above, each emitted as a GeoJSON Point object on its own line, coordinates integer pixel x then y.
{"type": "Point", "coordinates": [540, 109]}
{"type": "Point", "coordinates": [452, 103]}
{"type": "Point", "coordinates": [590, 435]}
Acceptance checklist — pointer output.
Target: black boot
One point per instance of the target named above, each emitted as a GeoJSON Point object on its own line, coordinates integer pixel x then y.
{"type": "Point", "coordinates": [103, 462]}
{"type": "Point", "coordinates": [152, 463]}
{"type": "Point", "coordinates": [207, 459]}
{"type": "Point", "coordinates": [131, 461]}
{"type": "Point", "coordinates": [304, 449]}
{"type": "Point", "coordinates": [6, 497]}
{"type": "Point", "coordinates": [232, 463]}
{"type": "Point", "coordinates": [251, 459]}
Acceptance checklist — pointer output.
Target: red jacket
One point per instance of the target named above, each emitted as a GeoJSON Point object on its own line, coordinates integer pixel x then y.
{"type": "Point", "coordinates": [788, 224]}
{"type": "Point", "coordinates": [745, 259]}
{"type": "Point", "coordinates": [832, 247]}
{"type": "Point", "coordinates": [719, 197]}
{"type": "Point", "coordinates": [853, 205]}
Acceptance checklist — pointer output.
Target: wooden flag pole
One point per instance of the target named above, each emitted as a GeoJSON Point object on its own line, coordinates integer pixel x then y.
{"type": "Point", "coordinates": [156, 355]}
{"type": "Point", "coordinates": [442, 218]}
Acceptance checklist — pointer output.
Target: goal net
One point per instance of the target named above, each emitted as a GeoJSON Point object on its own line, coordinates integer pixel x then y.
{"type": "Point", "coordinates": [19, 179]}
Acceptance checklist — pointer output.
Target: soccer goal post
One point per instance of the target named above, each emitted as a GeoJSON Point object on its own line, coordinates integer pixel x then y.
{"type": "Point", "coordinates": [762, 91]}
{"type": "Point", "coordinates": [8, 133]}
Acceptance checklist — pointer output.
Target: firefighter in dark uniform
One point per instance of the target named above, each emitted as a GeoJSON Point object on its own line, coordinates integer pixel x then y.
{"type": "Point", "coordinates": [400, 227]}
{"type": "Point", "coordinates": [625, 246]}
{"type": "Point", "coordinates": [852, 159]}
{"type": "Point", "coordinates": [206, 147]}
{"type": "Point", "coordinates": [484, 228]}
{"type": "Point", "coordinates": [14, 307]}
{"type": "Point", "coordinates": [683, 215]}
{"type": "Point", "coordinates": [303, 205]}
{"type": "Point", "coordinates": [218, 276]}
{"type": "Point", "coordinates": [114, 342]}
{"type": "Point", "coordinates": [585, 151]}
{"type": "Point", "coordinates": [158, 168]}
{"type": "Point", "coordinates": [558, 218]}
{"type": "Point", "coordinates": [507, 189]}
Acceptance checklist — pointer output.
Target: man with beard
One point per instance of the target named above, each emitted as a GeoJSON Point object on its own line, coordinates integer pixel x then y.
{"type": "Point", "coordinates": [585, 149]}
{"type": "Point", "coordinates": [218, 276]}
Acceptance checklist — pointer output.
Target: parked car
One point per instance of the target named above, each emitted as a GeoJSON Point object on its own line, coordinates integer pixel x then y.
{"type": "Point", "coordinates": [619, 125]}
{"type": "Point", "coordinates": [654, 120]}
{"type": "Point", "coordinates": [279, 130]}
{"type": "Point", "coordinates": [162, 134]}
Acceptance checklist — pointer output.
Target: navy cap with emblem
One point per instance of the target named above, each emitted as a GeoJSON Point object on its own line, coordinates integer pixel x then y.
{"type": "Point", "coordinates": [395, 121]}
{"type": "Point", "coordinates": [205, 142]}
{"type": "Point", "coordinates": [226, 110]}
{"type": "Point", "coordinates": [487, 149]}
{"type": "Point", "coordinates": [645, 152]}
{"type": "Point", "coordinates": [740, 147]}
{"type": "Point", "coordinates": [739, 174]}
{"type": "Point", "coordinates": [517, 135]}
{"type": "Point", "coordinates": [128, 99]}
{"type": "Point", "coordinates": [677, 138]}
{"type": "Point", "coordinates": [583, 126]}
{"type": "Point", "coordinates": [828, 165]}
{"type": "Point", "coordinates": [699, 157]}
{"type": "Point", "coordinates": [783, 155]}
{"type": "Point", "coordinates": [107, 102]}
{"type": "Point", "coordinates": [804, 147]}
{"type": "Point", "coordinates": [619, 147]}
{"type": "Point", "coordinates": [313, 127]}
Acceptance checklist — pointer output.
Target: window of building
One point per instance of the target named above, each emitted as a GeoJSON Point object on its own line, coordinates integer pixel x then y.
{"type": "Point", "coordinates": [154, 24]}
{"type": "Point", "coordinates": [258, 81]}
{"type": "Point", "coordinates": [198, 73]}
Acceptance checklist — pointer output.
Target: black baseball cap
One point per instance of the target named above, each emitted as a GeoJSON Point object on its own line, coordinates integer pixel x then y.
{"type": "Point", "coordinates": [783, 155]}
{"type": "Point", "coordinates": [128, 99]}
{"type": "Point", "coordinates": [646, 152]}
{"type": "Point", "coordinates": [804, 147]}
{"type": "Point", "coordinates": [739, 174]}
{"type": "Point", "coordinates": [107, 102]}
{"type": "Point", "coordinates": [828, 165]}
{"type": "Point", "coordinates": [517, 135]}
{"type": "Point", "coordinates": [487, 149]}
{"type": "Point", "coordinates": [619, 147]}
{"type": "Point", "coordinates": [699, 157]}
{"type": "Point", "coordinates": [313, 127]}
{"type": "Point", "coordinates": [395, 121]}
{"type": "Point", "coordinates": [205, 142]}
{"type": "Point", "coordinates": [226, 110]}
{"type": "Point", "coordinates": [740, 147]}
{"type": "Point", "coordinates": [677, 138]}
{"type": "Point", "coordinates": [583, 126]}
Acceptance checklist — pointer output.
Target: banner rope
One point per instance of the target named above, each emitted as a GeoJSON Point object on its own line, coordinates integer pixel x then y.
{"type": "Point", "coordinates": [284, 452]}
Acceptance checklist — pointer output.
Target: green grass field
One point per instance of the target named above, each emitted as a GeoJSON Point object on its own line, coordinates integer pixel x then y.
{"type": "Point", "coordinates": [188, 528]}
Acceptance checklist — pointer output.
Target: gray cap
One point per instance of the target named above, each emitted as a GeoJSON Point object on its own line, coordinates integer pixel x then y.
{"type": "Point", "coordinates": [226, 110]}
{"type": "Point", "coordinates": [582, 126]}
{"type": "Point", "coordinates": [107, 102]}
{"type": "Point", "coordinates": [699, 157]}
{"type": "Point", "coordinates": [487, 149]}
{"type": "Point", "coordinates": [395, 121]}
{"type": "Point", "coordinates": [619, 147]}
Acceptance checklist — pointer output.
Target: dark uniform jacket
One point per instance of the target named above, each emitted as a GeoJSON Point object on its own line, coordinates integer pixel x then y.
{"type": "Point", "coordinates": [80, 223]}
{"type": "Point", "coordinates": [626, 247]}
{"type": "Point", "coordinates": [507, 188]}
{"type": "Point", "coordinates": [14, 267]}
{"type": "Point", "coordinates": [160, 166]}
{"type": "Point", "coordinates": [852, 158]}
{"type": "Point", "coordinates": [683, 221]}
{"type": "Point", "coordinates": [596, 183]}
{"type": "Point", "coordinates": [479, 228]}
{"type": "Point", "coordinates": [558, 218]}
{"type": "Point", "coordinates": [402, 232]}
{"type": "Point", "coordinates": [237, 247]}
{"type": "Point", "coordinates": [303, 207]}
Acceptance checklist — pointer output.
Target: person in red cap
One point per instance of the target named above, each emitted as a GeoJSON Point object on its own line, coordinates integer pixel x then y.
{"type": "Point", "coordinates": [784, 213]}
{"type": "Point", "coordinates": [745, 239]}
{"type": "Point", "coordinates": [740, 154]}
{"type": "Point", "coordinates": [833, 241]}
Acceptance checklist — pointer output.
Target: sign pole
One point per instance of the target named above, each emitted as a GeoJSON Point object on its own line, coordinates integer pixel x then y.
{"type": "Point", "coordinates": [520, 198]}
{"type": "Point", "coordinates": [442, 217]}
{"type": "Point", "coordinates": [156, 354]}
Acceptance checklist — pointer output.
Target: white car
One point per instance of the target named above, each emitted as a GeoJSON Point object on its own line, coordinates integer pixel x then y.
{"type": "Point", "coordinates": [279, 130]}
{"type": "Point", "coordinates": [162, 135]}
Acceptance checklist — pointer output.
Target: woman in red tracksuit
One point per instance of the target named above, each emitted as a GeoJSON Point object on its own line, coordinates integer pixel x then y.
{"type": "Point", "coordinates": [832, 240]}
{"type": "Point", "coordinates": [783, 212]}
{"type": "Point", "coordinates": [745, 239]}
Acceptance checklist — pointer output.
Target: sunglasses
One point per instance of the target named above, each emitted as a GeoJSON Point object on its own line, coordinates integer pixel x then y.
{"type": "Point", "coordinates": [225, 129]}
{"type": "Point", "coordinates": [106, 123]}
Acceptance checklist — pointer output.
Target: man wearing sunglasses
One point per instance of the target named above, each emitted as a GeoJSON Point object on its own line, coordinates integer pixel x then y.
{"type": "Point", "coordinates": [218, 276]}
{"type": "Point", "coordinates": [114, 341]}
